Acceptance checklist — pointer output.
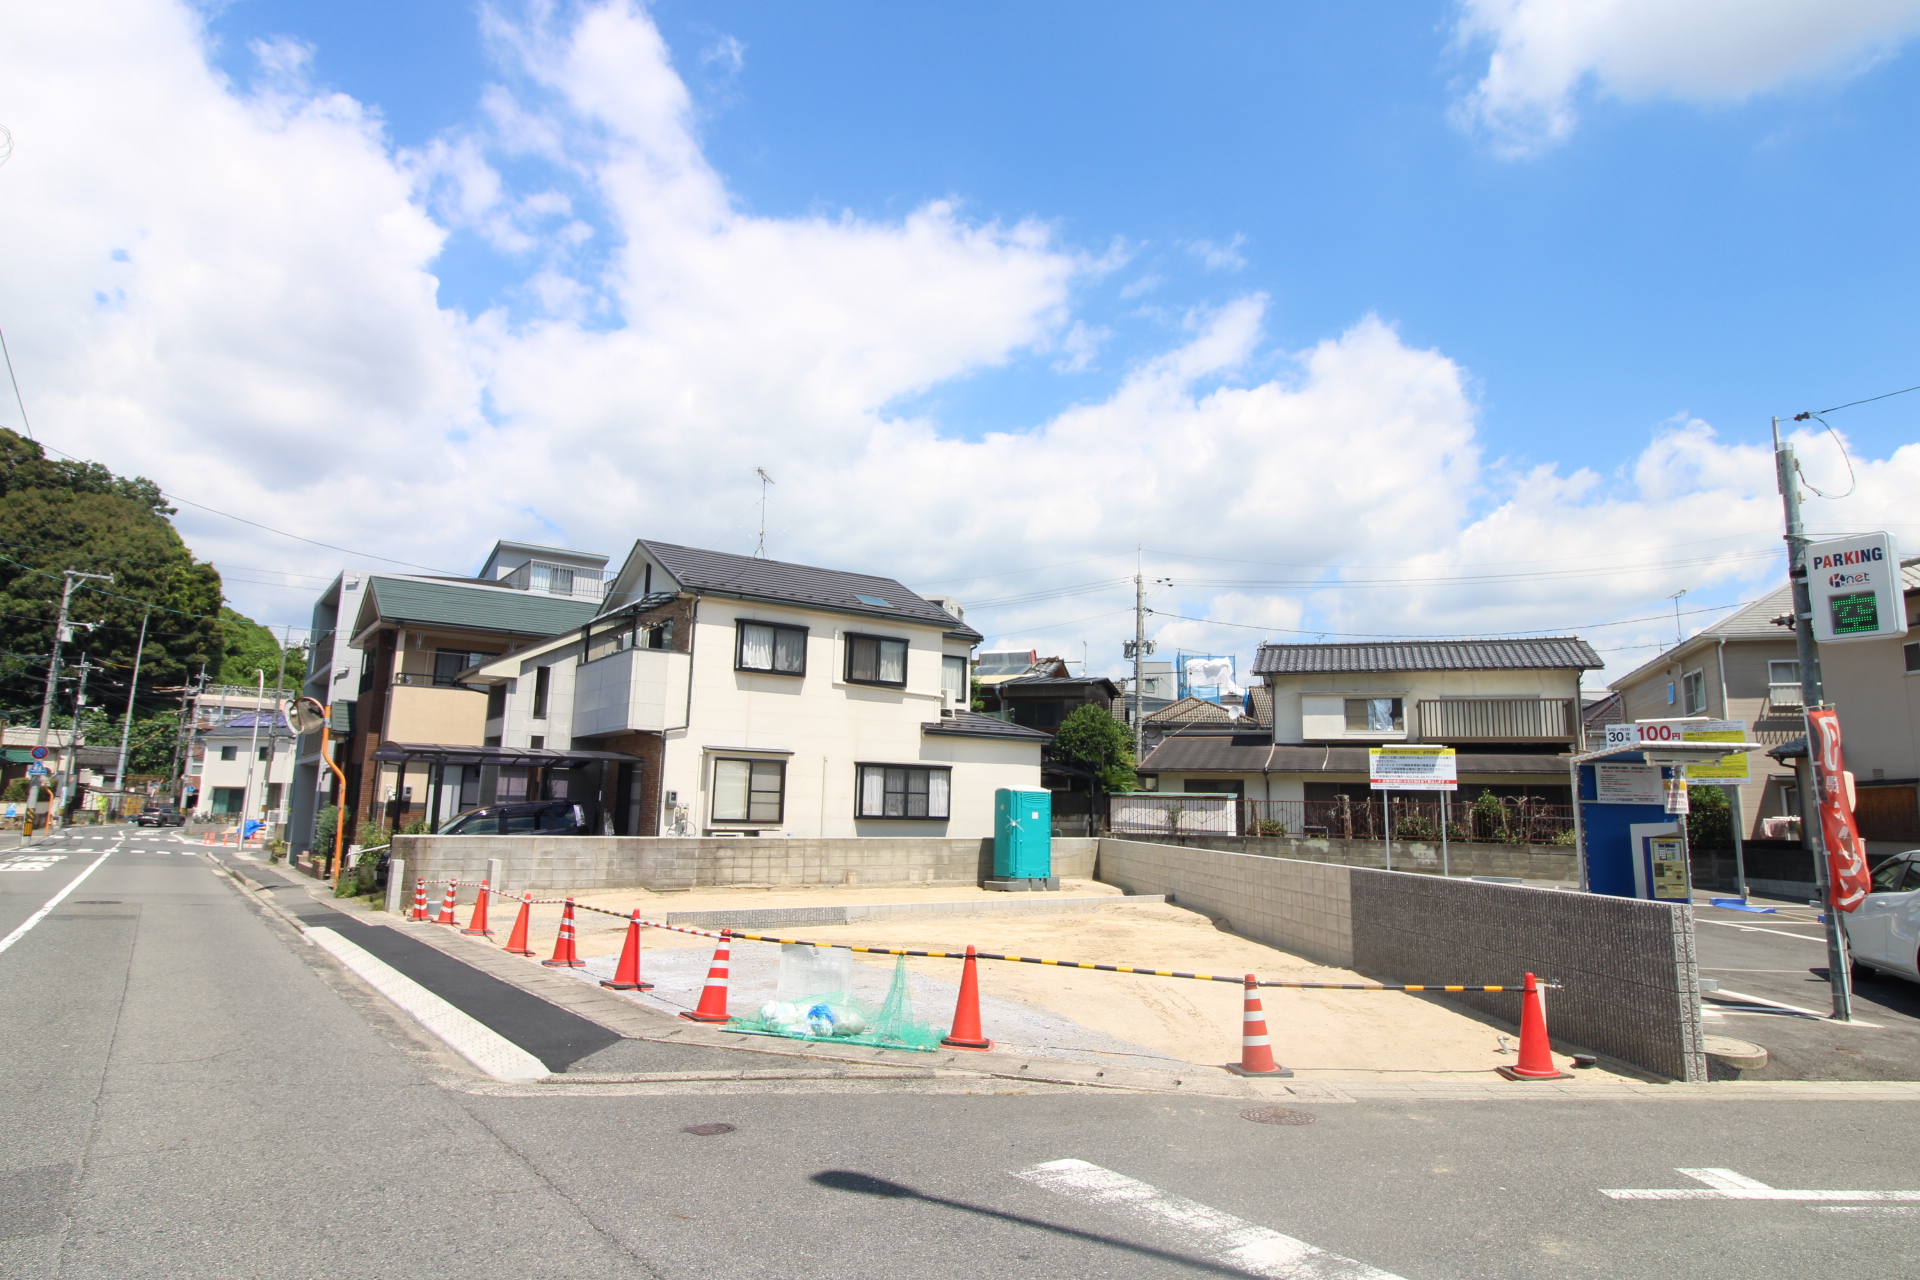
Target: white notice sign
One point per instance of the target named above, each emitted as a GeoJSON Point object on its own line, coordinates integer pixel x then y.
{"type": "Point", "coordinates": [1627, 784]}
{"type": "Point", "coordinates": [1412, 769]}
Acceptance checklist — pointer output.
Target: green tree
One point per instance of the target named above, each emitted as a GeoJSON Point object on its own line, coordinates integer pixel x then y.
{"type": "Point", "coordinates": [1092, 738]}
{"type": "Point", "coordinates": [1710, 820]}
{"type": "Point", "coordinates": [249, 648]}
{"type": "Point", "coordinates": [58, 514]}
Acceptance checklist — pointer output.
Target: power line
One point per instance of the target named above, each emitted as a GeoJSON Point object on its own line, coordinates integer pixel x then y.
{"type": "Point", "coordinates": [1869, 400]}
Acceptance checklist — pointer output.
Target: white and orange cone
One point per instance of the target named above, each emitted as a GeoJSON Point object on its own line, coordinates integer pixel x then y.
{"type": "Point", "coordinates": [1536, 1049]}
{"type": "Point", "coordinates": [419, 899]}
{"type": "Point", "coordinates": [564, 956]}
{"type": "Point", "coordinates": [1256, 1048]}
{"type": "Point", "coordinates": [447, 903]}
{"type": "Point", "coordinates": [713, 997]}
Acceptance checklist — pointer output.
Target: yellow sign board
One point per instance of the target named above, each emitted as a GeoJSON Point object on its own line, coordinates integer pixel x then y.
{"type": "Point", "coordinates": [1729, 768]}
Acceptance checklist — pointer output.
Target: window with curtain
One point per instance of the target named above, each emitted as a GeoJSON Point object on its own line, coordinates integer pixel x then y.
{"type": "Point", "coordinates": [876, 660]}
{"type": "Point", "coordinates": [1695, 685]}
{"type": "Point", "coordinates": [449, 663]}
{"type": "Point", "coordinates": [749, 790]}
{"type": "Point", "coordinates": [1376, 715]}
{"type": "Point", "coordinates": [768, 646]}
{"type": "Point", "coordinates": [903, 791]}
{"type": "Point", "coordinates": [953, 682]}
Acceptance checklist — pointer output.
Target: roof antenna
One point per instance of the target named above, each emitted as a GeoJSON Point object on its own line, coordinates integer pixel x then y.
{"type": "Point", "coordinates": [760, 552]}
{"type": "Point", "coordinates": [1679, 636]}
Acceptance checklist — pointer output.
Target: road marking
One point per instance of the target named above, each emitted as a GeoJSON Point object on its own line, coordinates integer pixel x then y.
{"type": "Point", "coordinates": [473, 1040]}
{"type": "Point", "coordinates": [1744, 998]}
{"type": "Point", "coordinates": [1754, 928]}
{"type": "Point", "coordinates": [1878, 1210]}
{"type": "Point", "coordinates": [1725, 1184]}
{"type": "Point", "coordinates": [52, 902]}
{"type": "Point", "coordinates": [1226, 1239]}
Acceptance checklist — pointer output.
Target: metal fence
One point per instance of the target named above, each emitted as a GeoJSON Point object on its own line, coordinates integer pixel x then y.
{"type": "Point", "coordinates": [1364, 817]}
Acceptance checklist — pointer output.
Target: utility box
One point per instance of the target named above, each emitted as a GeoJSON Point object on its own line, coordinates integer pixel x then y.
{"type": "Point", "coordinates": [1022, 840]}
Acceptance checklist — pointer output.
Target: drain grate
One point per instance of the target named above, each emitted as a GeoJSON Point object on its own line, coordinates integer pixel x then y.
{"type": "Point", "coordinates": [708, 1130]}
{"type": "Point", "coordinates": [1278, 1115]}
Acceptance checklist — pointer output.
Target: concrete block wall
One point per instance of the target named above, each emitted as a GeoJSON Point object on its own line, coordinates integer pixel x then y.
{"type": "Point", "coordinates": [1300, 907]}
{"type": "Point", "coordinates": [1527, 861]}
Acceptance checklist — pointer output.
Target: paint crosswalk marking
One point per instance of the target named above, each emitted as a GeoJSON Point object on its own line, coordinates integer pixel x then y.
{"type": "Point", "coordinates": [1228, 1240]}
{"type": "Point", "coordinates": [1725, 1184]}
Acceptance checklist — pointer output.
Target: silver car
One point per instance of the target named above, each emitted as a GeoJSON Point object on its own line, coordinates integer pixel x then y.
{"type": "Point", "coordinates": [1884, 933]}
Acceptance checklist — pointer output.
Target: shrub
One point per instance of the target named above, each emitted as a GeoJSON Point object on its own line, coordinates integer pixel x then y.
{"type": "Point", "coordinates": [1269, 827]}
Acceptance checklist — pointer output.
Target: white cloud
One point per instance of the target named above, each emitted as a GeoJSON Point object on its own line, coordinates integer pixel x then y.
{"type": "Point", "coordinates": [1543, 52]}
{"type": "Point", "coordinates": [1220, 257]}
{"type": "Point", "coordinates": [274, 341]}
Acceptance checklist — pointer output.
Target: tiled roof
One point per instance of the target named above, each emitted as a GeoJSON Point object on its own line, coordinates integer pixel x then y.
{"type": "Point", "coordinates": [471, 608]}
{"type": "Point", "coordinates": [971, 724]}
{"type": "Point", "coordinates": [1254, 753]}
{"type": "Point", "coordinates": [1191, 711]}
{"type": "Point", "coordinates": [1544, 653]}
{"type": "Point", "coordinates": [718, 571]}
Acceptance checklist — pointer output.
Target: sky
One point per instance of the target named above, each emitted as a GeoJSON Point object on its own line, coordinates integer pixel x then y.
{"type": "Point", "coordinates": [1347, 318]}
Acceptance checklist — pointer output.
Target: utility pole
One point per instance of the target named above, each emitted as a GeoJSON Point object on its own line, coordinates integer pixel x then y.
{"type": "Point", "coordinates": [273, 730]}
{"type": "Point", "coordinates": [67, 779]}
{"type": "Point", "coordinates": [253, 750]}
{"type": "Point", "coordinates": [1139, 658]}
{"type": "Point", "coordinates": [1812, 697]}
{"type": "Point", "coordinates": [53, 673]}
{"type": "Point", "coordinates": [133, 685]}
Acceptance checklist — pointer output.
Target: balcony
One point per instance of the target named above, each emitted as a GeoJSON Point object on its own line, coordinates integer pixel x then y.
{"type": "Point", "coordinates": [1785, 697]}
{"type": "Point", "coordinates": [558, 580]}
{"type": "Point", "coordinates": [1456, 720]}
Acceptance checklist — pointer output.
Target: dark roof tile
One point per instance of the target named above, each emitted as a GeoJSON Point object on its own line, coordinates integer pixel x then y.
{"type": "Point", "coordinates": [1546, 653]}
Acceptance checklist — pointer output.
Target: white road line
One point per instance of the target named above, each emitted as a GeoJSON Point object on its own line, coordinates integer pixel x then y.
{"type": "Point", "coordinates": [52, 902]}
{"type": "Point", "coordinates": [1754, 928]}
{"type": "Point", "coordinates": [1744, 998]}
{"type": "Point", "coordinates": [1221, 1236]}
{"type": "Point", "coordinates": [1725, 1184]}
{"type": "Point", "coordinates": [473, 1040]}
{"type": "Point", "coordinates": [1878, 1210]}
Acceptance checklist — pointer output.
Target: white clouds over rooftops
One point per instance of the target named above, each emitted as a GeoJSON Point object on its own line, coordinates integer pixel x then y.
{"type": "Point", "coordinates": [1544, 52]}
{"type": "Point", "coordinates": [274, 340]}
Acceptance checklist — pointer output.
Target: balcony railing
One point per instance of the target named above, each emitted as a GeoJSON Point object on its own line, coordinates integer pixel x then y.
{"type": "Point", "coordinates": [559, 580]}
{"type": "Point", "coordinates": [1364, 817]}
{"type": "Point", "coordinates": [1499, 720]}
{"type": "Point", "coordinates": [1785, 695]}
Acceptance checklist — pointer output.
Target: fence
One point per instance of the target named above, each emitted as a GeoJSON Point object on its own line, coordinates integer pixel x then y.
{"type": "Point", "coordinates": [1488, 820]}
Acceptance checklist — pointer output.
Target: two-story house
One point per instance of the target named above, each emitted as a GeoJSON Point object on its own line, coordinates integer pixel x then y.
{"type": "Point", "coordinates": [244, 764]}
{"type": "Point", "coordinates": [736, 695]}
{"type": "Point", "coordinates": [1744, 667]}
{"type": "Point", "coordinates": [1511, 708]}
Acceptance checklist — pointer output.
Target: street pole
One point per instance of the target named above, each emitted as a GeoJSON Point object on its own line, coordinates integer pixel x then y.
{"type": "Point", "coordinates": [1812, 697]}
{"type": "Point", "coordinates": [1139, 661]}
{"type": "Point", "coordinates": [253, 750]}
{"type": "Point", "coordinates": [67, 776]}
{"type": "Point", "coordinates": [133, 685]}
{"type": "Point", "coordinates": [53, 674]}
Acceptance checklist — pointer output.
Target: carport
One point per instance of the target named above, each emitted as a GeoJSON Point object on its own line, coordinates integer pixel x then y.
{"type": "Point", "coordinates": [579, 776]}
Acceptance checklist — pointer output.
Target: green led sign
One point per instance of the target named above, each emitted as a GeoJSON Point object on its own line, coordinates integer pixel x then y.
{"type": "Point", "coordinates": [1855, 614]}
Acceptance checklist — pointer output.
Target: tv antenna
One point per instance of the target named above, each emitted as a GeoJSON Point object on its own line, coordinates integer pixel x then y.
{"type": "Point", "coordinates": [760, 551]}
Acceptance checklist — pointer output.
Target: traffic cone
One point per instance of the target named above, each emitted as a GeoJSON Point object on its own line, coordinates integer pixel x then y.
{"type": "Point", "coordinates": [626, 975]}
{"type": "Point", "coordinates": [1536, 1050]}
{"type": "Point", "coordinates": [419, 899]}
{"type": "Point", "coordinates": [1256, 1049]}
{"type": "Point", "coordinates": [966, 1011]}
{"type": "Point", "coordinates": [517, 940]}
{"type": "Point", "coordinates": [563, 953]}
{"type": "Point", "coordinates": [447, 903]}
{"type": "Point", "coordinates": [478, 922]}
{"type": "Point", "coordinates": [713, 997]}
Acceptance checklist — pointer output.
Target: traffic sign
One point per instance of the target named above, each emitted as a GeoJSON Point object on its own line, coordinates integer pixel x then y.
{"type": "Point", "coordinates": [1855, 587]}
{"type": "Point", "coordinates": [38, 753]}
{"type": "Point", "coordinates": [36, 770]}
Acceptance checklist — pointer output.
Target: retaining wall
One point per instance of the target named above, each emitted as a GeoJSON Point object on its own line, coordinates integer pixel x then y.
{"type": "Point", "coordinates": [1528, 861]}
{"type": "Point", "coordinates": [1631, 984]}
{"type": "Point", "coordinates": [664, 863]}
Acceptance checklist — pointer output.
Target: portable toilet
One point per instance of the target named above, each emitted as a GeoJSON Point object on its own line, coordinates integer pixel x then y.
{"type": "Point", "coordinates": [1022, 840]}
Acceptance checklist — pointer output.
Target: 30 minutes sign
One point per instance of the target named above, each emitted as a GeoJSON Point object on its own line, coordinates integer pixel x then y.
{"type": "Point", "coordinates": [1855, 587]}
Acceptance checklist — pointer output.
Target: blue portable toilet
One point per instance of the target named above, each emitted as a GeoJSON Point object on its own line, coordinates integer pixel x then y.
{"type": "Point", "coordinates": [1022, 840]}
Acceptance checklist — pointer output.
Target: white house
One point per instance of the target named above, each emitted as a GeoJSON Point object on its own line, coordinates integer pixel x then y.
{"type": "Point", "coordinates": [754, 697]}
{"type": "Point", "coordinates": [243, 767]}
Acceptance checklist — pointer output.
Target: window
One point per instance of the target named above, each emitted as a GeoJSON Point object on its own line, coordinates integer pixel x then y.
{"type": "Point", "coordinates": [877, 602]}
{"type": "Point", "coordinates": [542, 682]}
{"type": "Point", "coordinates": [229, 753]}
{"type": "Point", "coordinates": [1376, 715]}
{"type": "Point", "coordinates": [1695, 685]}
{"type": "Point", "coordinates": [496, 702]}
{"type": "Point", "coordinates": [449, 663]}
{"type": "Point", "coordinates": [262, 752]}
{"type": "Point", "coordinates": [749, 790]}
{"type": "Point", "coordinates": [1783, 682]}
{"type": "Point", "coordinates": [901, 791]}
{"type": "Point", "coordinates": [1889, 875]}
{"type": "Point", "coordinates": [876, 660]}
{"type": "Point", "coordinates": [536, 743]}
{"type": "Point", "coordinates": [1912, 654]}
{"type": "Point", "coordinates": [953, 682]}
{"type": "Point", "coordinates": [767, 646]}
{"type": "Point", "coordinates": [560, 581]}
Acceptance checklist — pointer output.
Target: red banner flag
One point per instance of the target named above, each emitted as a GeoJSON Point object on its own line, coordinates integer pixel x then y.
{"type": "Point", "coordinates": [1847, 880]}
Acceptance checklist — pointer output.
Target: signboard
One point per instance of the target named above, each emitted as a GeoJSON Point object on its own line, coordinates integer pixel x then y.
{"type": "Point", "coordinates": [1847, 881]}
{"type": "Point", "coordinates": [1855, 588]}
{"type": "Point", "coordinates": [36, 770]}
{"type": "Point", "coordinates": [1626, 783]}
{"type": "Point", "coordinates": [1728, 768]}
{"type": "Point", "coordinates": [38, 753]}
{"type": "Point", "coordinates": [1412, 769]}
{"type": "Point", "coordinates": [1669, 868]}
{"type": "Point", "coordinates": [1677, 800]}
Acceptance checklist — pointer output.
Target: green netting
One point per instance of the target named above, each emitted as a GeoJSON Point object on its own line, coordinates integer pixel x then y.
{"type": "Point", "coordinates": [844, 1018]}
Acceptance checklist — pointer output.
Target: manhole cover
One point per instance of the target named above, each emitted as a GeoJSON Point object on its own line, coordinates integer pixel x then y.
{"type": "Point", "coordinates": [708, 1130]}
{"type": "Point", "coordinates": [1278, 1115]}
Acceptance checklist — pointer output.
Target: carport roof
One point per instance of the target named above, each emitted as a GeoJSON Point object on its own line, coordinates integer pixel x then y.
{"type": "Point", "coordinates": [1254, 753]}
{"type": "Point", "coordinates": [456, 753]}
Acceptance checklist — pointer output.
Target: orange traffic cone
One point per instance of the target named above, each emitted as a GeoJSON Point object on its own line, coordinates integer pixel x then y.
{"type": "Point", "coordinates": [563, 954]}
{"type": "Point", "coordinates": [626, 975]}
{"type": "Point", "coordinates": [419, 899]}
{"type": "Point", "coordinates": [966, 1011]}
{"type": "Point", "coordinates": [713, 998]}
{"type": "Point", "coordinates": [478, 922]}
{"type": "Point", "coordinates": [1536, 1050]}
{"type": "Point", "coordinates": [1256, 1048]}
{"type": "Point", "coordinates": [447, 903]}
{"type": "Point", "coordinates": [517, 940]}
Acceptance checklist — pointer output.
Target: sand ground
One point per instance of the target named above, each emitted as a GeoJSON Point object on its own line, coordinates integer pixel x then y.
{"type": "Point", "coordinates": [1320, 1034]}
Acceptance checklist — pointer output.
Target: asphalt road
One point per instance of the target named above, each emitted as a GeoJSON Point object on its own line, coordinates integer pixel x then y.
{"type": "Point", "coordinates": [192, 1090]}
{"type": "Point", "coordinates": [1783, 958]}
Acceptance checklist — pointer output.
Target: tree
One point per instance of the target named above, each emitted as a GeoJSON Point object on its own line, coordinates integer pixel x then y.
{"type": "Point", "coordinates": [58, 514]}
{"type": "Point", "coordinates": [249, 647]}
{"type": "Point", "coordinates": [1092, 738]}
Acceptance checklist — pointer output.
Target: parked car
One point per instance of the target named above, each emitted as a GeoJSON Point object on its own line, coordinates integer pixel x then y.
{"type": "Point", "coordinates": [1884, 932]}
{"type": "Point", "coordinates": [160, 817]}
{"type": "Point", "coordinates": [528, 818]}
